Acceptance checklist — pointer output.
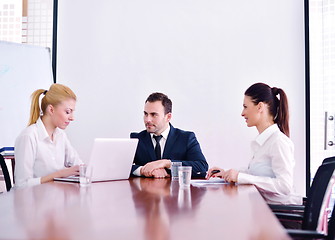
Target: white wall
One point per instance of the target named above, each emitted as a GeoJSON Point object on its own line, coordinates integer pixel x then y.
{"type": "Point", "coordinates": [202, 54]}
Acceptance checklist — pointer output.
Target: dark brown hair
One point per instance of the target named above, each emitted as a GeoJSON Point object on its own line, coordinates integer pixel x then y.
{"type": "Point", "coordinates": [278, 107]}
{"type": "Point", "coordinates": [166, 102]}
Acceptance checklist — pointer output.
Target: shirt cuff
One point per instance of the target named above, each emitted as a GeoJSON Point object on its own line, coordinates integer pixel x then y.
{"type": "Point", "coordinates": [137, 172]}
{"type": "Point", "coordinates": [34, 181]}
{"type": "Point", "coordinates": [38, 181]}
{"type": "Point", "coordinates": [30, 182]}
{"type": "Point", "coordinates": [242, 178]}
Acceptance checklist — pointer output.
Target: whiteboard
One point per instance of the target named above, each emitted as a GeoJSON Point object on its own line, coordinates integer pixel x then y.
{"type": "Point", "coordinates": [23, 69]}
{"type": "Point", "coordinates": [202, 54]}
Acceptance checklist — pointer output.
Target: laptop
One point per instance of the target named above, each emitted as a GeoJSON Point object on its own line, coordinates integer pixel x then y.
{"type": "Point", "coordinates": [111, 159]}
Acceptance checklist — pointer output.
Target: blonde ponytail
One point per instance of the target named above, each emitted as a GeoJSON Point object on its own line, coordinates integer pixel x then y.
{"type": "Point", "coordinates": [35, 109]}
{"type": "Point", "coordinates": [54, 96]}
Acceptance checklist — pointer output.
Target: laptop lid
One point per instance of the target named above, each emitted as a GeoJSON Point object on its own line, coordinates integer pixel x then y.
{"type": "Point", "coordinates": [111, 159]}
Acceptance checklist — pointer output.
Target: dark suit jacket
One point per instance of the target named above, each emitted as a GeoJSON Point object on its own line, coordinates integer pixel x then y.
{"type": "Point", "coordinates": [180, 146]}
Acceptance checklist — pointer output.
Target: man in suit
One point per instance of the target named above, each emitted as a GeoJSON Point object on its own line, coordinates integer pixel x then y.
{"type": "Point", "coordinates": [161, 143]}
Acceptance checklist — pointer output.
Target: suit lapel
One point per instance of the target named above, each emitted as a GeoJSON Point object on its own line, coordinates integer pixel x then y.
{"type": "Point", "coordinates": [150, 149]}
{"type": "Point", "coordinates": [170, 142]}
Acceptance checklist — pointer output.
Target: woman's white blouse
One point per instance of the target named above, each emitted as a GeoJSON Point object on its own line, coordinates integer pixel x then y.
{"type": "Point", "coordinates": [271, 167]}
{"type": "Point", "coordinates": [36, 155]}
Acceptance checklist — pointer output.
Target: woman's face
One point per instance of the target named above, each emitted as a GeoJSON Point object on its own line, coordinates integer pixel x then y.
{"type": "Point", "coordinates": [250, 112]}
{"type": "Point", "coordinates": [62, 114]}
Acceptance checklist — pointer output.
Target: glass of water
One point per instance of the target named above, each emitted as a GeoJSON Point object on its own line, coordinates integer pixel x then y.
{"type": "Point", "coordinates": [174, 169]}
{"type": "Point", "coordinates": [184, 174]}
{"type": "Point", "coordinates": [84, 175]}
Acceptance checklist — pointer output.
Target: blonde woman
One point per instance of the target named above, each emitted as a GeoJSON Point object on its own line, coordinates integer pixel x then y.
{"type": "Point", "coordinates": [42, 150]}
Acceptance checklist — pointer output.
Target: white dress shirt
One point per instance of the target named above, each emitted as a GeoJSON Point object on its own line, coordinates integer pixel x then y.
{"type": "Point", "coordinates": [162, 142]}
{"type": "Point", "coordinates": [36, 155]}
{"type": "Point", "coordinates": [271, 167]}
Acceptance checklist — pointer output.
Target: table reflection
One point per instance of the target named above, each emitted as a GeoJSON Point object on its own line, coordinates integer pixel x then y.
{"type": "Point", "coordinates": [138, 208]}
{"type": "Point", "coordinates": [159, 201]}
{"type": "Point", "coordinates": [55, 207]}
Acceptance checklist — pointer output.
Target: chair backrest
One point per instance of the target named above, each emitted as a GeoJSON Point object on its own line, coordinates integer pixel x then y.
{"type": "Point", "coordinates": [331, 226]}
{"type": "Point", "coordinates": [316, 195]}
{"type": "Point", "coordinates": [328, 160]}
{"type": "Point", "coordinates": [5, 173]}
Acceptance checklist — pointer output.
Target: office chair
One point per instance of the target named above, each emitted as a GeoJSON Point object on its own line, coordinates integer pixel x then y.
{"type": "Point", "coordinates": [317, 199]}
{"type": "Point", "coordinates": [309, 234]}
{"type": "Point", "coordinates": [5, 173]}
{"type": "Point", "coordinates": [328, 160]}
{"type": "Point", "coordinates": [299, 208]}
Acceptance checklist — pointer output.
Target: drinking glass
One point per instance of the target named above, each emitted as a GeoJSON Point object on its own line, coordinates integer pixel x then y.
{"type": "Point", "coordinates": [184, 174]}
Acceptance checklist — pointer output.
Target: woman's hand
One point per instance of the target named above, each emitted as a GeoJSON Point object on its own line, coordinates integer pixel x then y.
{"type": "Point", "coordinates": [215, 172]}
{"type": "Point", "coordinates": [65, 172]}
{"type": "Point", "coordinates": [231, 175]}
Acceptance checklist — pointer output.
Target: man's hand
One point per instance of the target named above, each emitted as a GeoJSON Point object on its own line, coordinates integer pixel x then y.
{"type": "Point", "coordinates": [147, 169]}
{"type": "Point", "coordinates": [160, 173]}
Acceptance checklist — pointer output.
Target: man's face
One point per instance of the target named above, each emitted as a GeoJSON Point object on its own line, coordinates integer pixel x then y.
{"type": "Point", "coordinates": [155, 119]}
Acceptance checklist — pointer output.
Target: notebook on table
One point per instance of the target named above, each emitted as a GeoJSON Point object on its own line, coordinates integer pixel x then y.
{"type": "Point", "coordinates": [111, 159]}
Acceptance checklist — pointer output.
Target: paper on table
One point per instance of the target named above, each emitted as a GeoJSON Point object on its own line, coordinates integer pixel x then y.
{"type": "Point", "coordinates": [203, 182]}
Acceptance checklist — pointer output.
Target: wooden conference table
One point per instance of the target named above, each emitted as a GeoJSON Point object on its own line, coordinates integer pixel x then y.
{"type": "Point", "coordinates": [139, 208]}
